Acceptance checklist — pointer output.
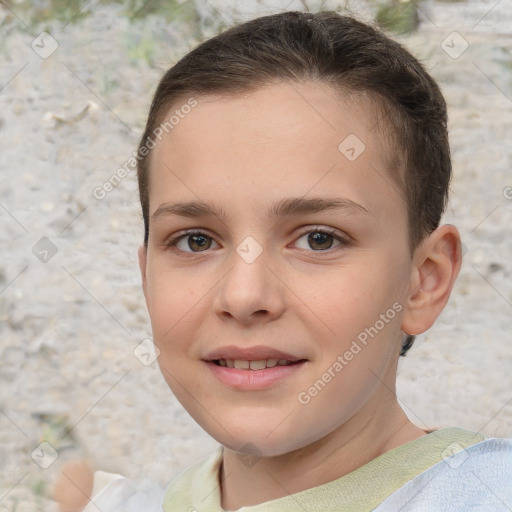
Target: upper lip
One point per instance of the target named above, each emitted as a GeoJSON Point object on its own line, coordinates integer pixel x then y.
{"type": "Point", "coordinates": [256, 353]}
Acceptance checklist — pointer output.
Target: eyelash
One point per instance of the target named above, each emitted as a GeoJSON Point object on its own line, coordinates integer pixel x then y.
{"type": "Point", "coordinates": [171, 244]}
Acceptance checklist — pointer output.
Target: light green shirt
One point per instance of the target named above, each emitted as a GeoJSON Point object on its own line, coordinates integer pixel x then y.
{"type": "Point", "coordinates": [197, 488]}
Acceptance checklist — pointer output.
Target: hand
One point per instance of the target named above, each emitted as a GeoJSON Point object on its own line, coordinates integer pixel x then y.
{"type": "Point", "coordinates": [73, 487]}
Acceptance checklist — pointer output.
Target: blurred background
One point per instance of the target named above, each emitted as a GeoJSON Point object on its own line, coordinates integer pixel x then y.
{"type": "Point", "coordinates": [77, 377]}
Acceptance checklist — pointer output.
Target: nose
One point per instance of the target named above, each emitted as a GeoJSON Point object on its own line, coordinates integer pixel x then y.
{"type": "Point", "coordinates": [250, 291]}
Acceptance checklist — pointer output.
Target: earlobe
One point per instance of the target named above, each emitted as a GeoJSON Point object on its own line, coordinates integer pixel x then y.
{"type": "Point", "coordinates": [437, 262]}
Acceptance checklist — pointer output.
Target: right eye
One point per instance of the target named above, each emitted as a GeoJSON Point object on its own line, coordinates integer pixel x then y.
{"type": "Point", "coordinates": [192, 241]}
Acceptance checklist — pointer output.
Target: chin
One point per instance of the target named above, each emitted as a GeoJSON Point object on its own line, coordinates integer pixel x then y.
{"type": "Point", "coordinates": [257, 447]}
{"type": "Point", "coordinates": [260, 439]}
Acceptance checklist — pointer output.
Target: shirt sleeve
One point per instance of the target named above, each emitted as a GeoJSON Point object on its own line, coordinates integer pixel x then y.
{"type": "Point", "coordinates": [478, 478]}
{"type": "Point", "coordinates": [113, 492]}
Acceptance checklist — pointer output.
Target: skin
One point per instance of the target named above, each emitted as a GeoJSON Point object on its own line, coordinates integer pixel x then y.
{"type": "Point", "coordinates": [243, 153]}
{"type": "Point", "coordinates": [73, 486]}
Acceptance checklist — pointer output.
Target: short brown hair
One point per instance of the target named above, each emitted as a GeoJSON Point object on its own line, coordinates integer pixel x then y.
{"type": "Point", "coordinates": [351, 57]}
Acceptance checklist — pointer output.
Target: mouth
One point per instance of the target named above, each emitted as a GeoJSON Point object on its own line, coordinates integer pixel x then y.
{"type": "Point", "coordinates": [256, 357]}
{"type": "Point", "coordinates": [261, 364]}
{"type": "Point", "coordinates": [252, 368]}
{"type": "Point", "coordinates": [254, 374]}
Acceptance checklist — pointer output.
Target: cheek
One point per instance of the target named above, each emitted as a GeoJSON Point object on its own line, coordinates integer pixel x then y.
{"type": "Point", "coordinates": [357, 314]}
{"type": "Point", "coordinates": [173, 300]}
{"type": "Point", "coordinates": [346, 299]}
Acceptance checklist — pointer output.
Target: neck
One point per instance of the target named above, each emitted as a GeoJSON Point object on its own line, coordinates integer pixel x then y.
{"type": "Point", "coordinates": [345, 449]}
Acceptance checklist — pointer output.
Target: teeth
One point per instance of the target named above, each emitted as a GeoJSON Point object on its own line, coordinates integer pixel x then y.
{"type": "Point", "coordinates": [253, 365]}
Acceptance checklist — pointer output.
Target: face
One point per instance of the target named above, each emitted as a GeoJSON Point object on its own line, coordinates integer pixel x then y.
{"type": "Point", "coordinates": [323, 286]}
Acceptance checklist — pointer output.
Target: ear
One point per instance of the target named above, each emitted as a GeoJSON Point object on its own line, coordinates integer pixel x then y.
{"type": "Point", "coordinates": [436, 264]}
{"type": "Point", "coordinates": [143, 256]}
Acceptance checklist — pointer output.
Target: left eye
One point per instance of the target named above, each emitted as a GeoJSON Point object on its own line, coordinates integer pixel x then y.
{"type": "Point", "coordinates": [320, 239]}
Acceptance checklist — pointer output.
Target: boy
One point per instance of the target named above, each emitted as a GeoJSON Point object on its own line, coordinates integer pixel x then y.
{"type": "Point", "coordinates": [293, 173]}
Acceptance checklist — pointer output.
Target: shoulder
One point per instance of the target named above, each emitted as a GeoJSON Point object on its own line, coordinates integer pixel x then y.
{"type": "Point", "coordinates": [197, 486]}
{"type": "Point", "coordinates": [477, 478]}
{"type": "Point", "coordinates": [113, 492]}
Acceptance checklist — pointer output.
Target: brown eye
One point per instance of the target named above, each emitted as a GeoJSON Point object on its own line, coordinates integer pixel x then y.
{"type": "Point", "coordinates": [199, 242]}
{"type": "Point", "coordinates": [321, 240]}
{"type": "Point", "coordinates": [191, 242]}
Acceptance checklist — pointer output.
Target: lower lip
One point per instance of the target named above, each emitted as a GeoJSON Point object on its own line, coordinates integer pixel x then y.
{"type": "Point", "coordinates": [253, 379]}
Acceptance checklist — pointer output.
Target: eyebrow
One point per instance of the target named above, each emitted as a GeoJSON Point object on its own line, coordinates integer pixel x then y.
{"type": "Point", "coordinates": [291, 206]}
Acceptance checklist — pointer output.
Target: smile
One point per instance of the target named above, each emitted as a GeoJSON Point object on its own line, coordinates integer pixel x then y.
{"type": "Point", "coordinates": [245, 375]}
{"type": "Point", "coordinates": [252, 365]}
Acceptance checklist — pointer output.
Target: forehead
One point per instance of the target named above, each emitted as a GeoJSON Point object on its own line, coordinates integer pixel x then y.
{"type": "Point", "coordinates": [279, 113]}
{"type": "Point", "coordinates": [286, 139]}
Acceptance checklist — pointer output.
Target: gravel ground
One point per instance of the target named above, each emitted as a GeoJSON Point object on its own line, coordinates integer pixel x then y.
{"type": "Point", "coordinates": [71, 308]}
